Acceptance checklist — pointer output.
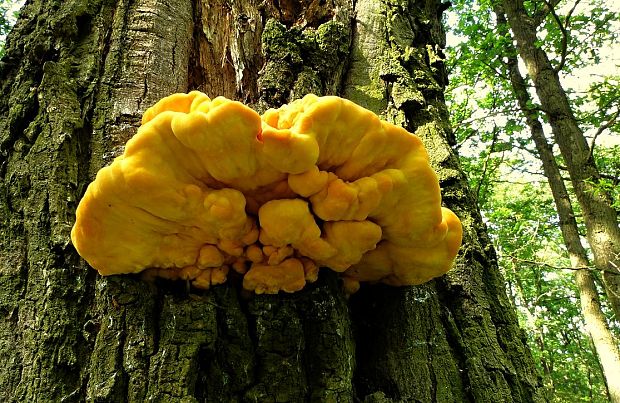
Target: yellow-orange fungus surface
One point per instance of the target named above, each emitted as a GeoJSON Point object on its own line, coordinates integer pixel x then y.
{"type": "Point", "coordinates": [206, 186]}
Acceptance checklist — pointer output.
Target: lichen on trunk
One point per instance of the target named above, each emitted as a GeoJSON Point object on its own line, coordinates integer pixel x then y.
{"type": "Point", "coordinates": [78, 76]}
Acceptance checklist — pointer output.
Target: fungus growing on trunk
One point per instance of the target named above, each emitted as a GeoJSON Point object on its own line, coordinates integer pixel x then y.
{"type": "Point", "coordinates": [209, 185]}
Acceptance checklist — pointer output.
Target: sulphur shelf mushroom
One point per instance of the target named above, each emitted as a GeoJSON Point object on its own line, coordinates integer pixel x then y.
{"type": "Point", "coordinates": [207, 186]}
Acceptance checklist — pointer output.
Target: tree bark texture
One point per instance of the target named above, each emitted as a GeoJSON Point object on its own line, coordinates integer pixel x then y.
{"type": "Point", "coordinates": [600, 218]}
{"type": "Point", "coordinates": [596, 322]}
{"type": "Point", "coordinates": [77, 77]}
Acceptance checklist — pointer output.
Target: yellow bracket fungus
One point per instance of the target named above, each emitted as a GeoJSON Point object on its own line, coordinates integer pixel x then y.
{"type": "Point", "coordinates": [209, 185]}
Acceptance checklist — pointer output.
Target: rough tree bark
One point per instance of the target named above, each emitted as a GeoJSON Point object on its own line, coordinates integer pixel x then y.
{"type": "Point", "coordinates": [596, 322]}
{"type": "Point", "coordinates": [599, 217]}
{"type": "Point", "coordinates": [76, 79]}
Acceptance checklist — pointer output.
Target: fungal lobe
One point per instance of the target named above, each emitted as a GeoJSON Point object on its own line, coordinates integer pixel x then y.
{"type": "Point", "coordinates": [208, 185]}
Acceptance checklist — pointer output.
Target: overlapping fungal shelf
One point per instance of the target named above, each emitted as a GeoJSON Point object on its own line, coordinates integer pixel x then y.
{"type": "Point", "coordinates": [209, 186]}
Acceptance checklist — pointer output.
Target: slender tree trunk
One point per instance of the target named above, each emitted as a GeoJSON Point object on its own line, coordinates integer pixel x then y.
{"type": "Point", "coordinates": [600, 218]}
{"type": "Point", "coordinates": [596, 323]}
{"type": "Point", "coordinates": [537, 332]}
{"type": "Point", "coordinates": [604, 343]}
{"type": "Point", "coordinates": [75, 81]}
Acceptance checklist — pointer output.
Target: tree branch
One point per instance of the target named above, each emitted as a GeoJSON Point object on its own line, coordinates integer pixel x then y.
{"type": "Point", "coordinates": [502, 112]}
{"type": "Point", "coordinates": [563, 29]}
{"type": "Point", "coordinates": [614, 178]}
{"type": "Point", "coordinates": [486, 162]}
{"type": "Point", "coordinates": [542, 14]}
{"type": "Point", "coordinates": [601, 129]}
{"type": "Point", "coordinates": [550, 266]}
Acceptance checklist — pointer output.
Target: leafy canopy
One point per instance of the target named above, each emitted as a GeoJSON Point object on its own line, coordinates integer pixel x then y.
{"type": "Point", "coordinates": [505, 172]}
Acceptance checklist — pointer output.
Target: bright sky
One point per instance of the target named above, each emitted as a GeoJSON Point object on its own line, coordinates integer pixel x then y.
{"type": "Point", "coordinates": [10, 15]}
{"type": "Point", "coordinates": [580, 80]}
{"type": "Point", "coordinates": [14, 8]}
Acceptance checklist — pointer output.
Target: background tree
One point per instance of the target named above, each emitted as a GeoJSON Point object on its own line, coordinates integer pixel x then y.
{"type": "Point", "coordinates": [596, 323]}
{"type": "Point", "coordinates": [488, 59]}
{"type": "Point", "coordinates": [599, 216]}
{"type": "Point", "coordinates": [75, 80]}
{"type": "Point", "coordinates": [525, 231]}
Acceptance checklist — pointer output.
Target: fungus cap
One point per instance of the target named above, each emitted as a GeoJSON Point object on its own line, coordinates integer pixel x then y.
{"type": "Point", "coordinates": [208, 184]}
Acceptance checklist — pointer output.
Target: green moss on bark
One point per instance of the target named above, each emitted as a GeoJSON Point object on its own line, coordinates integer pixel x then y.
{"type": "Point", "coordinates": [301, 61]}
{"type": "Point", "coordinates": [228, 370]}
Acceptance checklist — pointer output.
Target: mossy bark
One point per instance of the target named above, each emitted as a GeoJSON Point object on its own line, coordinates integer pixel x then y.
{"type": "Point", "coordinates": [75, 81]}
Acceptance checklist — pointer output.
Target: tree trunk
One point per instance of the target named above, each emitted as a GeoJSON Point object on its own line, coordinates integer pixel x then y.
{"type": "Point", "coordinates": [536, 332]}
{"type": "Point", "coordinates": [75, 81]}
{"type": "Point", "coordinates": [596, 323]}
{"type": "Point", "coordinates": [600, 218]}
